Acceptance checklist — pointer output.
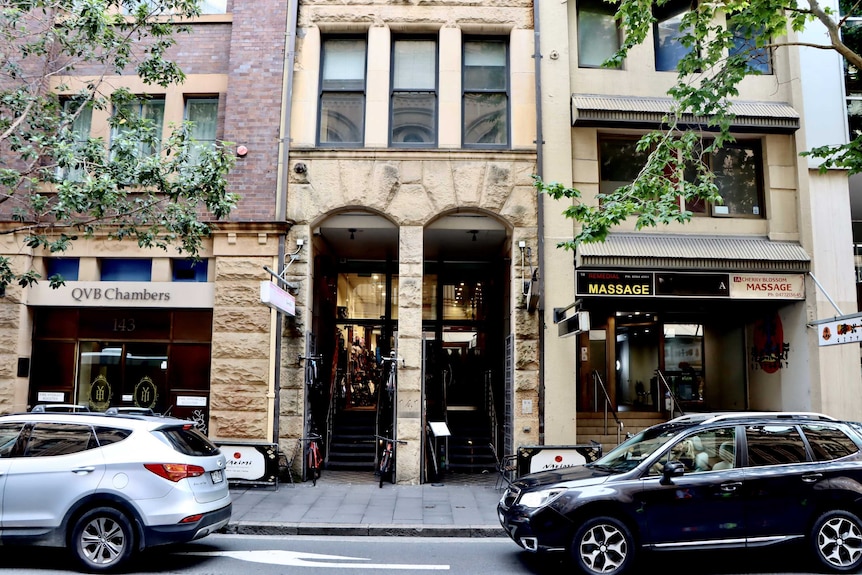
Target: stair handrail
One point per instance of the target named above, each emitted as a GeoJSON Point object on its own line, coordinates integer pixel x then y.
{"type": "Point", "coordinates": [674, 402]}
{"type": "Point", "coordinates": [608, 404]}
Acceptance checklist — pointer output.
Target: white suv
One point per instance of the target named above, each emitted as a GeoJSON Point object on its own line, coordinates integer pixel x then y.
{"type": "Point", "coordinates": [107, 486]}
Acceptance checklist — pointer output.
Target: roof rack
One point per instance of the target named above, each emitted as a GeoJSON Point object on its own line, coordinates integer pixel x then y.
{"type": "Point", "coordinates": [724, 416]}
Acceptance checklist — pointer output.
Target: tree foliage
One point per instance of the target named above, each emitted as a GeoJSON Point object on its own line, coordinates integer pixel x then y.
{"type": "Point", "coordinates": [722, 39]}
{"type": "Point", "coordinates": [57, 185]}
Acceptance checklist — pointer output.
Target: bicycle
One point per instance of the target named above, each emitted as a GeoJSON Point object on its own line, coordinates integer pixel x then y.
{"type": "Point", "coordinates": [385, 468]}
{"type": "Point", "coordinates": [313, 460]}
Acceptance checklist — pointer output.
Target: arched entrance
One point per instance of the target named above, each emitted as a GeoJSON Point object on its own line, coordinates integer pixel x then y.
{"type": "Point", "coordinates": [465, 325]}
{"type": "Point", "coordinates": [354, 326]}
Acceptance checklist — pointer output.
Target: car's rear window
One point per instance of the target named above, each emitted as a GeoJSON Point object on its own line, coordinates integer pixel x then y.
{"type": "Point", "coordinates": [828, 442]}
{"type": "Point", "coordinates": [188, 440]}
{"type": "Point", "coordinates": [109, 435]}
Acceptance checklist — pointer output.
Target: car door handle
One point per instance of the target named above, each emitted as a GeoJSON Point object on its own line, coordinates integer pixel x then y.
{"type": "Point", "coordinates": [812, 477]}
{"type": "Point", "coordinates": [731, 485]}
{"type": "Point", "coordinates": [83, 470]}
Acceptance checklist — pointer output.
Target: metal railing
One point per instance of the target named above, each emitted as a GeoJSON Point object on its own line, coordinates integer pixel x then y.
{"type": "Point", "coordinates": [608, 407]}
{"type": "Point", "coordinates": [669, 395]}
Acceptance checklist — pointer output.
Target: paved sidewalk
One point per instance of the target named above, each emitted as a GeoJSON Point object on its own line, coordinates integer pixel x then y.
{"type": "Point", "coordinates": [347, 507]}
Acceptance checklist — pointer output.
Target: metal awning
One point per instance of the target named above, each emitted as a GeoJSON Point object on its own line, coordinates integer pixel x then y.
{"type": "Point", "coordinates": [693, 252]}
{"type": "Point", "coordinates": [640, 112]}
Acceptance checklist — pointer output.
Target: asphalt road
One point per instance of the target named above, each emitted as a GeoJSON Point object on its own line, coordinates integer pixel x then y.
{"type": "Point", "coordinates": [299, 555]}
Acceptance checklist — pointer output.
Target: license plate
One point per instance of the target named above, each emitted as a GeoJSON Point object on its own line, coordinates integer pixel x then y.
{"type": "Point", "coordinates": [217, 475]}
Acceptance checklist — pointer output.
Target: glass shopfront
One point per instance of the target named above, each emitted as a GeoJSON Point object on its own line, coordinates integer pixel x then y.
{"type": "Point", "coordinates": [157, 359]}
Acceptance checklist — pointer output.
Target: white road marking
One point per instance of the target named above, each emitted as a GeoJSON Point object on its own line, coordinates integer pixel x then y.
{"type": "Point", "coordinates": [302, 559]}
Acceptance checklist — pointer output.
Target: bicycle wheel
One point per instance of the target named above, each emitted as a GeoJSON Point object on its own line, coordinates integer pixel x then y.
{"type": "Point", "coordinates": [313, 462]}
{"type": "Point", "coordinates": [384, 467]}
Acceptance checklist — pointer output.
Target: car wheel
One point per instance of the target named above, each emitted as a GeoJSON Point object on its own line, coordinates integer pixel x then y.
{"type": "Point", "coordinates": [102, 539]}
{"type": "Point", "coordinates": [603, 545]}
{"type": "Point", "coordinates": [837, 541]}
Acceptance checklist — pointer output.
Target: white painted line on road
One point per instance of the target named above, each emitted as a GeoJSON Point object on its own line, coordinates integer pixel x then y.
{"type": "Point", "coordinates": [302, 559]}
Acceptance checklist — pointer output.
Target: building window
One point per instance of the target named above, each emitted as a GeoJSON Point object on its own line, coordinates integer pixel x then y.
{"type": "Point", "coordinates": [342, 92]}
{"type": "Point", "coordinates": [619, 163]}
{"type": "Point", "coordinates": [151, 114]}
{"type": "Point", "coordinates": [188, 270]}
{"type": "Point", "coordinates": [851, 35]}
{"type": "Point", "coordinates": [153, 6]}
{"type": "Point", "coordinates": [667, 31]}
{"type": "Point", "coordinates": [486, 97]}
{"type": "Point", "coordinates": [126, 269]}
{"type": "Point", "coordinates": [738, 170]}
{"type": "Point", "coordinates": [745, 46]}
{"type": "Point", "coordinates": [67, 268]}
{"type": "Point", "coordinates": [79, 133]}
{"type": "Point", "coordinates": [203, 114]}
{"type": "Point", "coordinates": [413, 106]}
{"type": "Point", "coordinates": [598, 35]}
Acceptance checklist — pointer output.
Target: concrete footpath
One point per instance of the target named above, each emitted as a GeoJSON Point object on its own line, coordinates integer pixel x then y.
{"type": "Point", "coordinates": [345, 505]}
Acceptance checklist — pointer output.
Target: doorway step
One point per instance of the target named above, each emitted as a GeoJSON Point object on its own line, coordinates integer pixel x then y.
{"type": "Point", "coordinates": [352, 445]}
{"type": "Point", "coordinates": [591, 426]}
{"type": "Point", "coordinates": [469, 444]}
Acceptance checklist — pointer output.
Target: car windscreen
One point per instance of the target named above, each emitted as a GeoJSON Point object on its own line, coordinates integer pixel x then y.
{"type": "Point", "coordinates": [628, 454]}
{"type": "Point", "coordinates": [187, 440]}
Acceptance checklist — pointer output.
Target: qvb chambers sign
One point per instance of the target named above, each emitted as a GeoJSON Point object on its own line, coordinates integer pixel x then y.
{"type": "Point", "coordinates": [690, 285]}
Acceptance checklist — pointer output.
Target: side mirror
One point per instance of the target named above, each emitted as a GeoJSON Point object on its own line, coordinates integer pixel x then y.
{"type": "Point", "coordinates": [672, 469]}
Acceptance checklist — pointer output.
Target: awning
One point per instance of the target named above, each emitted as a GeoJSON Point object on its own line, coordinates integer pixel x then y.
{"type": "Point", "coordinates": [693, 252]}
{"type": "Point", "coordinates": [633, 111]}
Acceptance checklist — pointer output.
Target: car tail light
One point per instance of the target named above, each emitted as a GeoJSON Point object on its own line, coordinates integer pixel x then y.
{"type": "Point", "coordinates": [175, 471]}
{"type": "Point", "coordinates": [192, 518]}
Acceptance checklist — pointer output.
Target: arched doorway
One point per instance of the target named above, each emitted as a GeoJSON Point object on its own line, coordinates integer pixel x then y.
{"type": "Point", "coordinates": [465, 325]}
{"type": "Point", "coordinates": [354, 326]}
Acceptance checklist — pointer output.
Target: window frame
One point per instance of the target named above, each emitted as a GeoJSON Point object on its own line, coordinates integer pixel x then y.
{"type": "Point", "coordinates": [664, 13]}
{"type": "Point", "coordinates": [80, 136]}
{"type": "Point", "coordinates": [609, 10]}
{"type": "Point", "coordinates": [741, 44]}
{"type": "Point", "coordinates": [434, 93]}
{"type": "Point", "coordinates": [201, 144]}
{"type": "Point", "coordinates": [505, 91]}
{"type": "Point", "coordinates": [324, 90]}
{"type": "Point", "coordinates": [143, 103]}
{"type": "Point", "coordinates": [755, 144]}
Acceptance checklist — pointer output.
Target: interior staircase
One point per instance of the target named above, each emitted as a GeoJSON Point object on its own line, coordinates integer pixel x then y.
{"type": "Point", "coordinates": [469, 444]}
{"type": "Point", "coordinates": [591, 426]}
{"type": "Point", "coordinates": [352, 445]}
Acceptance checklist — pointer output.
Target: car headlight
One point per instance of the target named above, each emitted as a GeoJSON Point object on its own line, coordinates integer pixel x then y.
{"type": "Point", "coordinates": [540, 498]}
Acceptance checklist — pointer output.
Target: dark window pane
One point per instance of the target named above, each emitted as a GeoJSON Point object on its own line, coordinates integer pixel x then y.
{"type": "Point", "coordinates": [189, 270]}
{"type": "Point", "coordinates": [414, 116]}
{"type": "Point", "coordinates": [126, 269]}
{"type": "Point", "coordinates": [65, 267]}
{"type": "Point", "coordinates": [620, 163]}
{"type": "Point", "coordinates": [193, 325]}
{"type": "Point", "coordinates": [109, 435]}
{"type": "Point", "coordinates": [745, 45]}
{"type": "Point", "coordinates": [486, 118]}
{"type": "Point", "coordinates": [854, 116]}
{"type": "Point", "coordinates": [9, 437]}
{"type": "Point", "coordinates": [774, 445]}
{"type": "Point", "coordinates": [342, 118]}
{"type": "Point", "coordinates": [828, 443]}
{"type": "Point", "coordinates": [190, 367]}
{"type": "Point", "coordinates": [188, 440]}
{"type": "Point", "coordinates": [738, 177]}
{"type": "Point", "coordinates": [668, 30]}
{"type": "Point", "coordinates": [49, 439]}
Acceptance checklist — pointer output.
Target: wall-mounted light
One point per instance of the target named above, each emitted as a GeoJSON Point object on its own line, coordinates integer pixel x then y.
{"type": "Point", "coordinates": [352, 233]}
{"type": "Point", "coordinates": [475, 234]}
{"type": "Point", "coordinates": [241, 151]}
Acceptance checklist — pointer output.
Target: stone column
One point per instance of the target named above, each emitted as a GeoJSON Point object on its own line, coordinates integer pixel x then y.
{"type": "Point", "coordinates": [409, 347]}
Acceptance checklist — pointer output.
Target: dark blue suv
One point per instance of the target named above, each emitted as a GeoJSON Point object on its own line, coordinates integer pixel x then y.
{"type": "Point", "coordinates": [702, 481]}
